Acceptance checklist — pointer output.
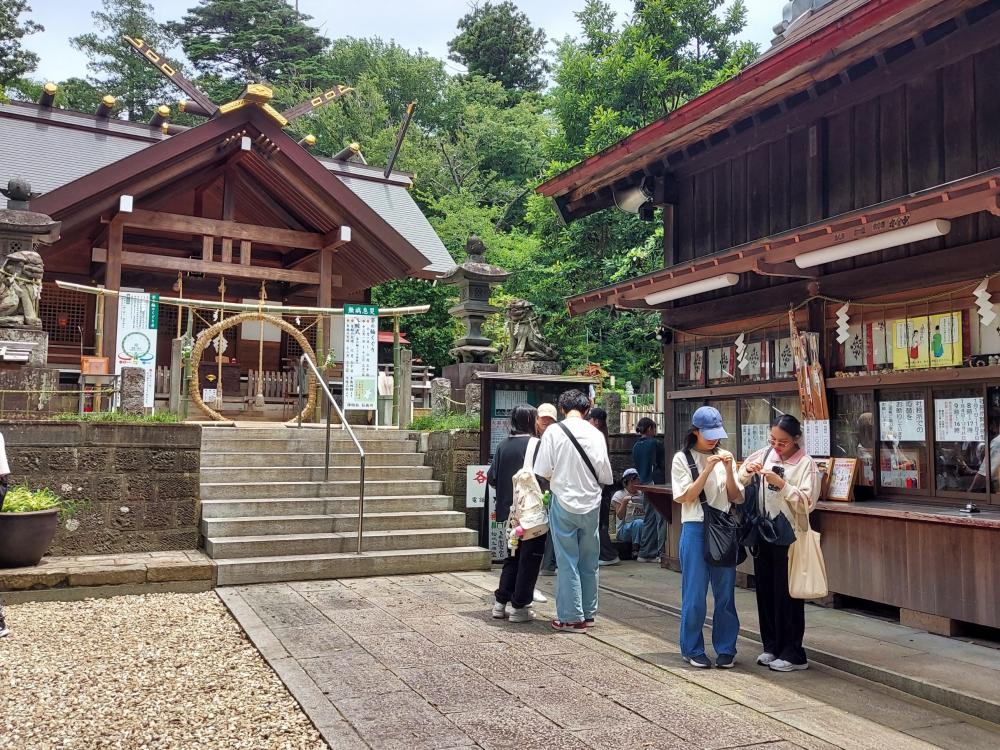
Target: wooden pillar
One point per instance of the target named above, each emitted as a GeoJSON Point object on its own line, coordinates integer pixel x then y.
{"type": "Point", "coordinates": [669, 384]}
{"type": "Point", "coordinates": [324, 298]}
{"type": "Point", "coordinates": [112, 281]}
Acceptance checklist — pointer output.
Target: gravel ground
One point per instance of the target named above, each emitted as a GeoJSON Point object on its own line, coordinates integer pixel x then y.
{"type": "Point", "coordinates": [135, 672]}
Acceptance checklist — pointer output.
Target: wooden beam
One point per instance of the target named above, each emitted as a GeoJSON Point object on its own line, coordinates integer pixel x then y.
{"type": "Point", "coordinates": [180, 224]}
{"type": "Point", "coordinates": [337, 237]}
{"type": "Point", "coordinates": [227, 250]}
{"type": "Point", "coordinates": [149, 261]}
{"type": "Point", "coordinates": [112, 280]}
{"type": "Point", "coordinates": [244, 252]}
{"type": "Point", "coordinates": [207, 248]}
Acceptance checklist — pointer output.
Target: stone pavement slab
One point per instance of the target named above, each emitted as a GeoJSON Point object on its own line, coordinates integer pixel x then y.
{"type": "Point", "coordinates": [393, 675]}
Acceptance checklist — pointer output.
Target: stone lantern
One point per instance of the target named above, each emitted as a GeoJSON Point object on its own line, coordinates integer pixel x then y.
{"type": "Point", "coordinates": [22, 339]}
{"type": "Point", "coordinates": [474, 279]}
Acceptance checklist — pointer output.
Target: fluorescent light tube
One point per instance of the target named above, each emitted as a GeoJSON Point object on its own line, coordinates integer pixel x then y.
{"type": "Point", "coordinates": [695, 287]}
{"type": "Point", "coordinates": [923, 231]}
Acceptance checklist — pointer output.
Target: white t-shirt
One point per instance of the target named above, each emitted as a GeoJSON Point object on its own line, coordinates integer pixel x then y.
{"type": "Point", "coordinates": [715, 487]}
{"type": "Point", "coordinates": [635, 507]}
{"type": "Point", "coordinates": [571, 482]}
{"type": "Point", "coordinates": [994, 458]}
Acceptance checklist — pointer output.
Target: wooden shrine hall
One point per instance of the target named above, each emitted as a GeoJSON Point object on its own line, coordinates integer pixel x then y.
{"type": "Point", "coordinates": [235, 198]}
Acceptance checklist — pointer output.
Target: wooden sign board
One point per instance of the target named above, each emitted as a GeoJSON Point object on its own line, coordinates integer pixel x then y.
{"type": "Point", "coordinates": [843, 473]}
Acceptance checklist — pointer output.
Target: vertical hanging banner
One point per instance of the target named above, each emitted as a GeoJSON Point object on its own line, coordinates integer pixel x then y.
{"type": "Point", "coordinates": [360, 357]}
{"type": "Point", "coordinates": [138, 320]}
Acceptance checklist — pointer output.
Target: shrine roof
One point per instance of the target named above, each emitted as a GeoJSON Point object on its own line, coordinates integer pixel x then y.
{"type": "Point", "coordinates": [52, 147]}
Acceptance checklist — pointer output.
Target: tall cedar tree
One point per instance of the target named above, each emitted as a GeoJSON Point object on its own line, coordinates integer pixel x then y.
{"type": "Point", "coordinates": [249, 40]}
{"type": "Point", "coordinates": [116, 69]}
{"type": "Point", "coordinates": [15, 61]}
{"type": "Point", "coordinates": [497, 40]}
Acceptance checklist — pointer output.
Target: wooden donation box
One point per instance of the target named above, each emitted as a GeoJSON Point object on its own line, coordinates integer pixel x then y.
{"type": "Point", "coordinates": [208, 373]}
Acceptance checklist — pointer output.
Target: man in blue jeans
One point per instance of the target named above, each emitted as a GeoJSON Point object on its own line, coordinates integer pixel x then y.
{"type": "Point", "coordinates": [573, 456]}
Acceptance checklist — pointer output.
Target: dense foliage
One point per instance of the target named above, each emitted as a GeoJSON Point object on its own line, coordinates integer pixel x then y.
{"type": "Point", "coordinates": [480, 141]}
{"type": "Point", "coordinates": [15, 61]}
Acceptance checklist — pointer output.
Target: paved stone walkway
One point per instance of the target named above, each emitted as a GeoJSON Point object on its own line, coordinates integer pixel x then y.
{"type": "Point", "coordinates": [417, 662]}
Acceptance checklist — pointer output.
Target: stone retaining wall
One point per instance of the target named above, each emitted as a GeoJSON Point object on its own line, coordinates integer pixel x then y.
{"type": "Point", "coordinates": [141, 482]}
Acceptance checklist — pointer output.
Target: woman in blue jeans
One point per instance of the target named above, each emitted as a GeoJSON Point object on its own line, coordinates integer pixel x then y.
{"type": "Point", "coordinates": [715, 484]}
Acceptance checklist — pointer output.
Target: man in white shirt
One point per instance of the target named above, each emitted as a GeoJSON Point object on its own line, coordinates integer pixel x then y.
{"type": "Point", "coordinates": [573, 456]}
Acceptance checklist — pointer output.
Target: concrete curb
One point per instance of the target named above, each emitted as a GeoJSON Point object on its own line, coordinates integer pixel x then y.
{"type": "Point", "coordinates": [939, 694]}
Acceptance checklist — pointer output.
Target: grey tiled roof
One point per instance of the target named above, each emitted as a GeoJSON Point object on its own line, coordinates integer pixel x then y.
{"type": "Point", "coordinates": [65, 147]}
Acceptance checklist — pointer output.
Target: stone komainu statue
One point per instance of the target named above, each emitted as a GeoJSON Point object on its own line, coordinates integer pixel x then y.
{"type": "Point", "coordinates": [21, 289]}
{"type": "Point", "coordinates": [526, 341]}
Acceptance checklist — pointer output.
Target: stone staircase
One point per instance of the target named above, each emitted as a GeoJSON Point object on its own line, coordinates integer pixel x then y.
{"type": "Point", "coordinates": [268, 515]}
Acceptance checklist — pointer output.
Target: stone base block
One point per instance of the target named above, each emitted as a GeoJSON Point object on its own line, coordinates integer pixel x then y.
{"type": "Point", "coordinates": [24, 344]}
{"type": "Point", "coordinates": [931, 623]}
{"type": "Point", "coordinates": [530, 367]}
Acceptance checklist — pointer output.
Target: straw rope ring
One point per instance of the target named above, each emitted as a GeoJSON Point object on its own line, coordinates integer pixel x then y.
{"type": "Point", "coordinates": [209, 334]}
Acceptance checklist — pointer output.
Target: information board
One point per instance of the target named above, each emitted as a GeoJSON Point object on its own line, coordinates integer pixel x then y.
{"type": "Point", "coordinates": [842, 476]}
{"type": "Point", "coordinates": [360, 357]}
{"type": "Point", "coordinates": [960, 420]}
{"type": "Point", "coordinates": [138, 320]}
{"type": "Point", "coordinates": [497, 534]}
{"type": "Point", "coordinates": [902, 421]}
{"type": "Point", "coordinates": [499, 431]}
{"type": "Point", "coordinates": [754, 437]}
{"type": "Point", "coordinates": [816, 435]}
{"type": "Point", "coordinates": [475, 485]}
{"type": "Point", "coordinates": [929, 341]}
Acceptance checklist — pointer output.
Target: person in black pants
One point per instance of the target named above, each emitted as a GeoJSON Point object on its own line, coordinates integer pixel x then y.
{"type": "Point", "coordinates": [520, 569]}
{"type": "Point", "coordinates": [609, 553]}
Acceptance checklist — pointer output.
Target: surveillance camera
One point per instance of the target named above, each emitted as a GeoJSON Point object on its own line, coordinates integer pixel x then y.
{"type": "Point", "coordinates": [647, 211]}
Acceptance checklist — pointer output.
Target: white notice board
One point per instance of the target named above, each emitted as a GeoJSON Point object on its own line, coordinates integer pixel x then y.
{"type": "Point", "coordinates": [475, 485]}
{"type": "Point", "coordinates": [902, 421]}
{"type": "Point", "coordinates": [961, 420]}
{"type": "Point", "coordinates": [138, 320]}
{"type": "Point", "coordinates": [360, 357]}
{"type": "Point", "coordinates": [817, 436]}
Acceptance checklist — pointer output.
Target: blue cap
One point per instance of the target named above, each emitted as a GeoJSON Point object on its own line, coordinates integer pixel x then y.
{"type": "Point", "coordinates": [708, 422]}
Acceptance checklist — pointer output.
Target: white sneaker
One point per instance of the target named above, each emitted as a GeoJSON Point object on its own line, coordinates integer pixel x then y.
{"type": "Point", "coordinates": [607, 563]}
{"type": "Point", "coordinates": [780, 665]}
{"type": "Point", "coordinates": [522, 614]}
{"type": "Point", "coordinates": [499, 611]}
{"type": "Point", "coordinates": [648, 559]}
{"type": "Point", "coordinates": [4, 631]}
{"type": "Point", "coordinates": [539, 597]}
{"type": "Point", "coordinates": [766, 658]}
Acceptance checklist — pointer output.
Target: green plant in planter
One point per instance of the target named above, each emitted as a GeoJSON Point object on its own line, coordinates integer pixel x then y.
{"type": "Point", "coordinates": [22, 499]}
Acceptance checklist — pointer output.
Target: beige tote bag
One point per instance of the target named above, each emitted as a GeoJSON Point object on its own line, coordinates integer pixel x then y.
{"type": "Point", "coordinates": [806, 568]}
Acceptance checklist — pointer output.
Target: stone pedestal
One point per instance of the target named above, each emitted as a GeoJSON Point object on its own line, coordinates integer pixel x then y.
{"type": "Point", "coordinates": [28, 390]}
{"type": "Point", "coordinates": [611, 402]}
{"type": "Point", "coordinates": [531, 366]}
{"type": "Point", "coordinates": [440, 397]}
{"type": "Point", "coordinates": [133, 390]}
{"type": "Point", "coordinates": [26, 345]}
{"type": "Point", "coordinates": [462, 374]}
{"type": "Point", "coordinates": [405, 387]}
{"type": "Point", "coordinates": [473, 399]}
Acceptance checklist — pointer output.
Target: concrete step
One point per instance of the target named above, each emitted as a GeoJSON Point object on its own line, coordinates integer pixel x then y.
{"type": "Point", "coordinates": [346, 488]}
{"type": "Point", "coordinates": [322, 523]}
{"type": "Point", "coordinates": [269, 474]}
{"type": "Point", "coordinates": [307, 430]}
{"type": "Point", "coordinates": [212, 459]}
{"type": "Point", "coordinates": [323, 506]}
{"type": "Point", "coordinates": [308, 444]}
{"type": "Point", "coordinates": [288, 545]}
{"type": "Point", "coordinates": [312, 567]}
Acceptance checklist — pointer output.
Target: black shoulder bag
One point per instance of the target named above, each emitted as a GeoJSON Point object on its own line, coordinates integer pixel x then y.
{"type": "Point", "coordinates": [581, 451]}
{"type": "Point", "coordinates": [724, 532]}
{"type": "Point", "coordinates": [759, 525]}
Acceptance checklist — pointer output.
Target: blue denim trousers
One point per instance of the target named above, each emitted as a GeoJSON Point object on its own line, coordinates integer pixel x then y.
{"type": "Point", "coordinates": [578, 549]}
{"type": "Point", "coordinates": [630, 531]}
{"type": "Point", "coordinates": [654, 532]}
{"type": "Point", "coordinates": [696, 575]}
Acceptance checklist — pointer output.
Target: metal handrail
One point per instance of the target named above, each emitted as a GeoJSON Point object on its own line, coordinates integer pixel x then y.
{"type": "Point", "coordinates": [331, 401]}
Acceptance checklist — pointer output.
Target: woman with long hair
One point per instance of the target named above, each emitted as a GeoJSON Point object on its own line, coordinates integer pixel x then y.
{"type": "Point", "coordinates": [716, 485]}
{"type": "Point", "coordinates": [520, 569]}
{"type": "Point", "coordinates": [789, 486]}
{"type": "Point", "coordinates": [609, 553]}
{"type": "Point", "coordinates": [647, 458]}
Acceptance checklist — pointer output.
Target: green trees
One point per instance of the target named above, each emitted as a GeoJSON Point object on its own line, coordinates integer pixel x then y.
{"type": "Point", "coordinates": [496, 40]}
{"type": "Point", "coordinates": [249, 40]}
{"type": "Point", "coordinates": [115, 68]}
{"type": "Point", "coordinates": [15, 61]}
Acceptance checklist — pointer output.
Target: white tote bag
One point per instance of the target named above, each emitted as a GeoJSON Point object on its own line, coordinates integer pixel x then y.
{"type": "Point", "coordinates": [528, 510]}
{"type": "Point", "coordinates": [806, 567]}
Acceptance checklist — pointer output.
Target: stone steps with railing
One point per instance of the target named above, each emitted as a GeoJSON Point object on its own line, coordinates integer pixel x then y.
{"type": "Point", "coordinates": [269, 513]}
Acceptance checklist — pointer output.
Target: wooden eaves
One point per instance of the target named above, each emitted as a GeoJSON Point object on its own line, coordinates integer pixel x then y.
{"type": "Point", "coordinates": [775, 255]}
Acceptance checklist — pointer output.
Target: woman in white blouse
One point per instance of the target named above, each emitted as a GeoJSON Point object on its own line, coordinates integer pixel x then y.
{"type": "Point", "coordinates": [789, 486]}
{"type": "Point", "coordinates": [716, 485]}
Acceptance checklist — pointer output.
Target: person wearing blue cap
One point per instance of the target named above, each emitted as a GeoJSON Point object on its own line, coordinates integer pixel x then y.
{"type": "Point", "coordinates": [713, 481]}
